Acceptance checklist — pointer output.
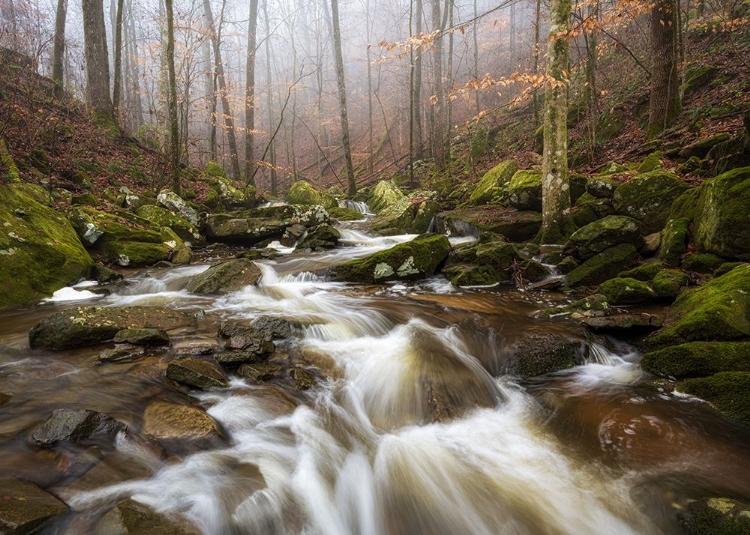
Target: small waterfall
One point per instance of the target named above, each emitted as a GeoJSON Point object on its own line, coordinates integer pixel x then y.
{"type": "Point", "coordinates": [359, 206]}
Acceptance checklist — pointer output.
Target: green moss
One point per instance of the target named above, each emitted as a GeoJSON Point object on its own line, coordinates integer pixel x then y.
{"type": "Point", "coordinates": [471, 275]}
{"type": "Point", "coordinates": [668, 283]}
{"type": "Point", "coordinates": [624, 291]}
{"type": "Point", "coordinates": [589, 306]}
{"type": "Point", "coordinates": [645, 272]}
{"type": "Point", "coordinates": [718, 310]}
{"type": "Point", "coordinates": [601, 187]}
{"type": "Point", "coordinates": [674, 238]}
{"type": "Point", "coordinates": [383, 195]}
{"type": "Point", "coordinates": [603, 234]}
{"type": "Point", "coordinates": [717, 516]}
{"type": "Point", "coordinates": [650, 163]}
{"type": "Point", "coordinates": [496, 177]}
{"type": "Point", "coordinates": [478, 143]}
{"type": "Point", "coordinates": [648, 198]}
{"type": "Point", "coordinates": [302, 192]}
{"type": "Point", "coordinates": [697, 76]}
{"type": "Point", "coordinates": [164, 218]}
{"type": "Point", "coordinates": [85, 199]}
{"type": "Point", "coordinates": [525, 190]}
{"type": "Point", "coordinates": [726, 268]}
{"type": "Point", "coordinates": [685, 205]}
{"type": "Point", "coordinates": [613, 168]}
{"type": "Point", "coordinates": [728, 392]}
{"type": "Point", "coordinates": [9, 169]}
{"type": "Point", "coordinates": [698, 359]}
{"type": "Point", "coordinates": [703, 263]}
{"type": "Point", "coordinates": [602, 266]}
{"type": "Point", "coordinates": [215, 170]}
{"type": "Point", "coordinates": [344, 214]}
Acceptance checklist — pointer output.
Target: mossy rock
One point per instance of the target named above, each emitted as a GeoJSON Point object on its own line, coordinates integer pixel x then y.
{"type": "Point", "coordinates": [588, 209]}
{"type": "Point", "coordinates": [722, 219]}
{"type": "Point", "coordinates": [416, 259]}
{"type": "Point", "coordinates": [652, 162]}
{"type": "Point", "coordinates": [321, 238]}
{"type": "Point", "coordinates": [728, 392]}
{"type": "Point", "coordinates": [410, 215]}
{"type": "Point", "coordinates": [685, 206]}
{"type": "Point", "coordinates": [718, 310]}
{"type": "Point", "coordinates": [698, 75]}
{"type": "Point", "coordinates": [516, 225]}
{"type": "Point", "coordinates": [231, 196]}
{"type": "Point", "coordinates": [164, 218]}
{"type": "Point", "coordinates": [174, 203]}
{"type": "Point", "coordinates": [698, 359]}
{"type": "Point", "coordinates": [84, 199]}
{"type": "Point", "coordinates": [539, 353]}
{"type": "Point", "coordinates": [525, 190]}
{"type": "Point", "coordinates": [384, 194]}
{"type": "Point", "coordinates": [692, 165]}
{"type": "Point", "coordinates": [674, 240]}
{"type": "Point", "coordinates": [39, 249]}
{"type": "Point", "coordinates": [703, 263]}
{"type": "Point", "coordinates": [591, 306]}
{"type": "Point", "coordinates": [648, 198]}
{"type": "Point", "coordinates": [496, 177]}
{"type": "Point", "coordinates": [716, 516]}
{"type": "Point", "coordinates": [345, 214]}
{"type": "Point", "coordinates": [645, 272]}
{"type": "Point", "coordinates": [603, 266]}
{"type": "Point", "coordinates": [613, 168]}
{"type": "Point", "coordinates": [601, 187]}
{"type": "Point", "coordinates": [603, 234]}
{"type": "Point", "coordinates": [669, 282]}
{"type": "Point", "coordinates": [197, 373]}
{"type": "Point", "coordinates": [726, 268]}
{"type": "Point", "coordinates": [82, 326]}
{"type": "Point", "coordinates": [226, 277]}
{"type": "Point", "coordinates": [302, 192]}
{"type": "Point", "coordinates": [462, 275]}
{"type": "Point", "coordinates": [624, 291]}
{"type": "Point", "coordinates": [702, 147]}
{"type": "Point", "coordinates": [249, 227]}
{"type": "Point", "coordinates": [213, 169]}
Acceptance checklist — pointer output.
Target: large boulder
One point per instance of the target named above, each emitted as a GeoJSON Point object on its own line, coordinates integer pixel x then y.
{"type": "Point", "coordinates": [410, 215]}
{"type": "Point", "coordinates": [602, 234]}
{"type": "Point", "coordinates": [517, 226]}
{"type": "Point", "coordinates": [320, 238]}
{"type": "Point", "coordinates": [718, 310]}
{"type": "Point", "coordinates": [226, 277]}
{"type": "Point", "coordinates": [169, 422]}
{"type": "Point", "coordinates": [248, 227]}
{"type": "Point", "coordinates": [497, 177]}
{"type": "Point", "coordinates": [174, 203]}
{"type": "Point", "coordinates": [416, 259]}
{"type": "Point", "coordinates": [538, 353]}
{"type": "Point", "coordinates": [85, 325]}
{"type": "Point", "coordinates": [39, 250]}
{"type": "Point", "coordinates": [648, 198]}
{"type": "Point", "coordinates": [722, 215]}
{"type": "Point", "coordinates": [625, 291]}
{"type": "Point", "coordinates": [82, 427]}
{"type": "Point", "coordinates": [728, 392]}
{"type": "Point", "coordinates": [698, 359]}
{"type": "Point", "coordinates": [489, 263]}
{"type": "Point", "coordinates": [674, 241]}
{"type": "Point", "coordinates": [384, 194]}
{"type": "Point", "coordinates": [164, 218]}
{"type": "Point", "coordinates": [603, 266]}
{"type": "Point", "coordinates": [302, 192]}
{"type": "Point", "coordinates": [525, 190]}
{"type": "Point", "coordinates": [24, 507]}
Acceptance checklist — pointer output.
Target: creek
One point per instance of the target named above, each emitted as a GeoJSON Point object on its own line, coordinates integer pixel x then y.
{"type": "Point", "coordinates": [599, 448]}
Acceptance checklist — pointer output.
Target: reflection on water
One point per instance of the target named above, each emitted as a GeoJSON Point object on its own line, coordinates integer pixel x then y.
{"type": "Point", "coordinates": [412, 435]}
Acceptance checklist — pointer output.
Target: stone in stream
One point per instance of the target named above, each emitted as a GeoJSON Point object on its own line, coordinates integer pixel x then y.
{"type": "Point", "coordinates": [259, 372]}
{"type": "Point", "coordinates": [716, 516]}
{"type": "Point", "coordinates": [197, 373]}
{"type": "Point", "coordinates": [515, 225]}
{"type": "Point", "coordinates": [320, 238]}
{"type": "Point", "coordinates": [143, 337]}
{"type": "Point", "coordinates": [80, 427]}
{"type": "Point", "coordinates": [728, 392]}
{"type": "Point", "coordinates": [538, 353]}
{"type": "Point", "coordinates": [603, 266]}
{"type": "Point", "coordinates": [172, 422]}
{"type": "Point", "coordinates": [24, 507]}
{"type": "Point", "coordinates": [226, 277]}
{"type": "Point", "coordinates": [244, 343]}
{"type": "Point", "coordinates": [130, 517]}
{"type": "Point", "coordinates": [292, 235]}
{"type": "Point", "coordinates": [121, 352]}
{"type": "Point", "coordinates": [81, 326]}
{"type": "Point", "coordinates": [249, 227]}
{"type": "Point", "coordinates": [625, 291]}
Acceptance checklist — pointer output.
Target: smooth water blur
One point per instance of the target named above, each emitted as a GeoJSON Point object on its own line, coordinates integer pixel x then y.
{"type": "Point", "coordinates": [414, 432]}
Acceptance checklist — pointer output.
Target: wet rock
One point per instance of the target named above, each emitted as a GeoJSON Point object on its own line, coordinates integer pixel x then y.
{"type": "Point", "coordinates": [416, 259]}
{"type": "Point", "coordinates": [603, 266]}
{"type": "Point", "coordinates": [384, 194]}
{"type": "Point", "coordinates": [82, 326]}
{"type": "Point", "coordinates": [24, 507]}
{"type": "Point", "coordinates": [410, 215]}
{"type": "Point", "coordinates": [118, 466]}
{"type": "Point", "coordinates": [259, 372]}
{"type": "Point", "coordinates": [39, 250]}
{"type": "Point", "coordinates": [718, 310]}
{"type": "Point", "coordinates": [624, 291]}
{"type": "Point", "coordinates": [321, 238]}
{"type": "Point", "coordinates": [80, 427]}
{"type": "Point", "coordinates": [226, 277]}
{"type": "Point", "coordinates": [105, 275]}
{"type": "Point", "coordinates": [169, 422]}
{"type": "Point", "coordinates": [728, 392]}
{"type": "Point", "coordinates": [133, 518]}
{"type": "Point", "coordinates": [249, 227]}
{"type": "Point", "coordinates": [538, 353]}
{"type": "Point", "coordinates": [302, 379]}
{"type": "Point", "coordinates": [590, 306]}
{"type": "Point", "coordinates": [624, 322]}
{"type": "Point", "coordinates": [120, 353]}
{"type": "Point", "coordinates": [244, 343]}
{"type": "Point", "coordinates": [292, 235]}
{"type": "Point", "coordinates": [164, 218]}
{"type": "Point", "coordinates": [515, 225]}
{"type": "Point", "coordinates": [197, 373]}
{"type": "Point", "coordinates": [4, 398]}
{"type": "Point", "coordinates": [648, 198]}
{"type": "Point", "coordinates": [698, 359]}
{"type": "Point", "coordinates": [716, 516]}
{"type": "Point", "coordinates": [143, 337]}
{"type": "Point", "coordinates": [603, 234]}
{"type": "Point", "coordinates": [278, 327]}
{"type": "Point", "coordinates": [496, 177]}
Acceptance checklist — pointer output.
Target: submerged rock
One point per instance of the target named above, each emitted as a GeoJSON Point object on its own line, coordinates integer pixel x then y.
{"type": "Point", "coordinates": [197, 373]}
{"type": "Point", "coordinates": [82, 326]}
{"type": "Point", "coordinates": [24, 507]}
{"type": "Point", "coordinates": [416, 259]}
{"type": "Point", "coordinates": [130, 517]}
{"type": "Point", "coordinates": [226, 277]}
{"type": "Point", "coordinates": [77, 427]}
{"type": "Point", "coordinates": [538, 353]}
{"type": "Point", "coordinates": [249, 227]}
{"type": "Point", "coordinates": [167, 422]}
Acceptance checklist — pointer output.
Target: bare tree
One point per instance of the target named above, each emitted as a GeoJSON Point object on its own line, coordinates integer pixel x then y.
{"type": "Point", "coordinates": [174, 135]}
{"type": "Point", "coordinates": [118, 59]}
{"type": "Point", "coordinates": [352, 190]}
{"type": "Point", "coordinates": [58, 52]}
{"type": "Point", "coordinates": [664, 104]}
{"type": "Point", "coordinates": [97, 63]}
{"type": "Point", "coordinates": [252, 26]}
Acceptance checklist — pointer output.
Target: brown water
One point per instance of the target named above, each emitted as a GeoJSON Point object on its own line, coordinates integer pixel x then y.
{"type": "Point", "coordinates": [417, 432]}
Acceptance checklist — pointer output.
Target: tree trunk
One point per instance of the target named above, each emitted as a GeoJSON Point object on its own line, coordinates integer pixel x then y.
{"type": "Point", "coordinates": [476, 56]}
{"type": "Point", "coordinates": [58, 52]}
{"type": "Point", "coordinates": [210, 92]}
{"type": "Point", "coordinates": [664, 104]}
{"type": "Point", "coordinates": [557, 222]}
{"type": "Point", "coordinates": [269, 100]}
{"type": "Point", "coordinates": [590, 93]}
{"type": "Point", "coordinates": [537, 45]}
{"type": "Point", "coordinates": [438, 133]}
{"type": "Point", "coordinates": [137, 109]}
{"type": "Point", "coordinates": [118, 59]}
{"type": "Point", "coordinates": [416, 94]}
{"type": "Point", "coordinates": [252, 27]}
{"type": "Point", "coordinates": [226, 109]}
{"type": "Point", "coordinates": [342, 98]}
{"type": "Point", "coordinates": [174, 134]}
{"type": "Point", "coordinates": [97, 63]}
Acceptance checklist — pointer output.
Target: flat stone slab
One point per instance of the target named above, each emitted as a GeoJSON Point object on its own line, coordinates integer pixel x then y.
{"type": "Point", "coordinates": [24, 507]}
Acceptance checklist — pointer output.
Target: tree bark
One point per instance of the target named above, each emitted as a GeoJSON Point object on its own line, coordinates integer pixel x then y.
{"type": "Point", "coordinates": [97, 63]}
{"type": "Point", "coordinates": [417, 88]}
{"type": "Point", "coordinates": [58, 51]}
{"type": "Point", "coordinates": [174, 134]}
{"type": "Point", "coordinates": [269, 101]}
{"type": "Point", "coordinates": [664, 104]}
{"type": "Point", "coordinates": [252, 27]}
{"type": "Point", "coordinates": [438, 134]}
{"type": "Point", "coordinates": [342, 98]}
{"type": "Point", "coordinates": [557, 222]}
{"type": "Point", "coordinates": [118, 59]}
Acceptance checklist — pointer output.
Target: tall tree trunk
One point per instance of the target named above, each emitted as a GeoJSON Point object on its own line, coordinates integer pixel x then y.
{"type": "Point", "coordinates": [269, 100]}
{"type": "Point", "coordinates": [476, 56]}
{"type": "Point", "coordinates": [590, 93]}
{"type": "Point", "coordinates": [370, 143]}
{"type": "Point", "coordinates": [438, 133]}
{"type": "Point", "coordinates": [174, 134]}
{"type": "Point", "coordinates": [664, 103]}
{"type": "Point", "coordinates": [58, 51]}
{"type": "Point", "coordinates": [450, 4]}
{"type": "Point", "coordinates": [226, 109]}
{"type": "Point", "coordinates": [252, 27]}
{"type": "Point", "coordinates": [135, 87]}
{"type": "Point", "coordinates": [416, 94]}
{"type": "Point", "coordinates": [210, 93]}
{"type": "Point", "coordinates": [118, 59]}
{"type": "Point", "coordinates": [97, 63]}
{"type": "Point", "coordinates": [537, 45]}
{"type": "Point", "coordinates": [342, 98]}
{"type": "Point", "coordinates": [557, 222]}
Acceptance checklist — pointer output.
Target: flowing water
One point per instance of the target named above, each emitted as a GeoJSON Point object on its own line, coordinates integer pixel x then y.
{"type": "Point", "coordinates": [416, 430]}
